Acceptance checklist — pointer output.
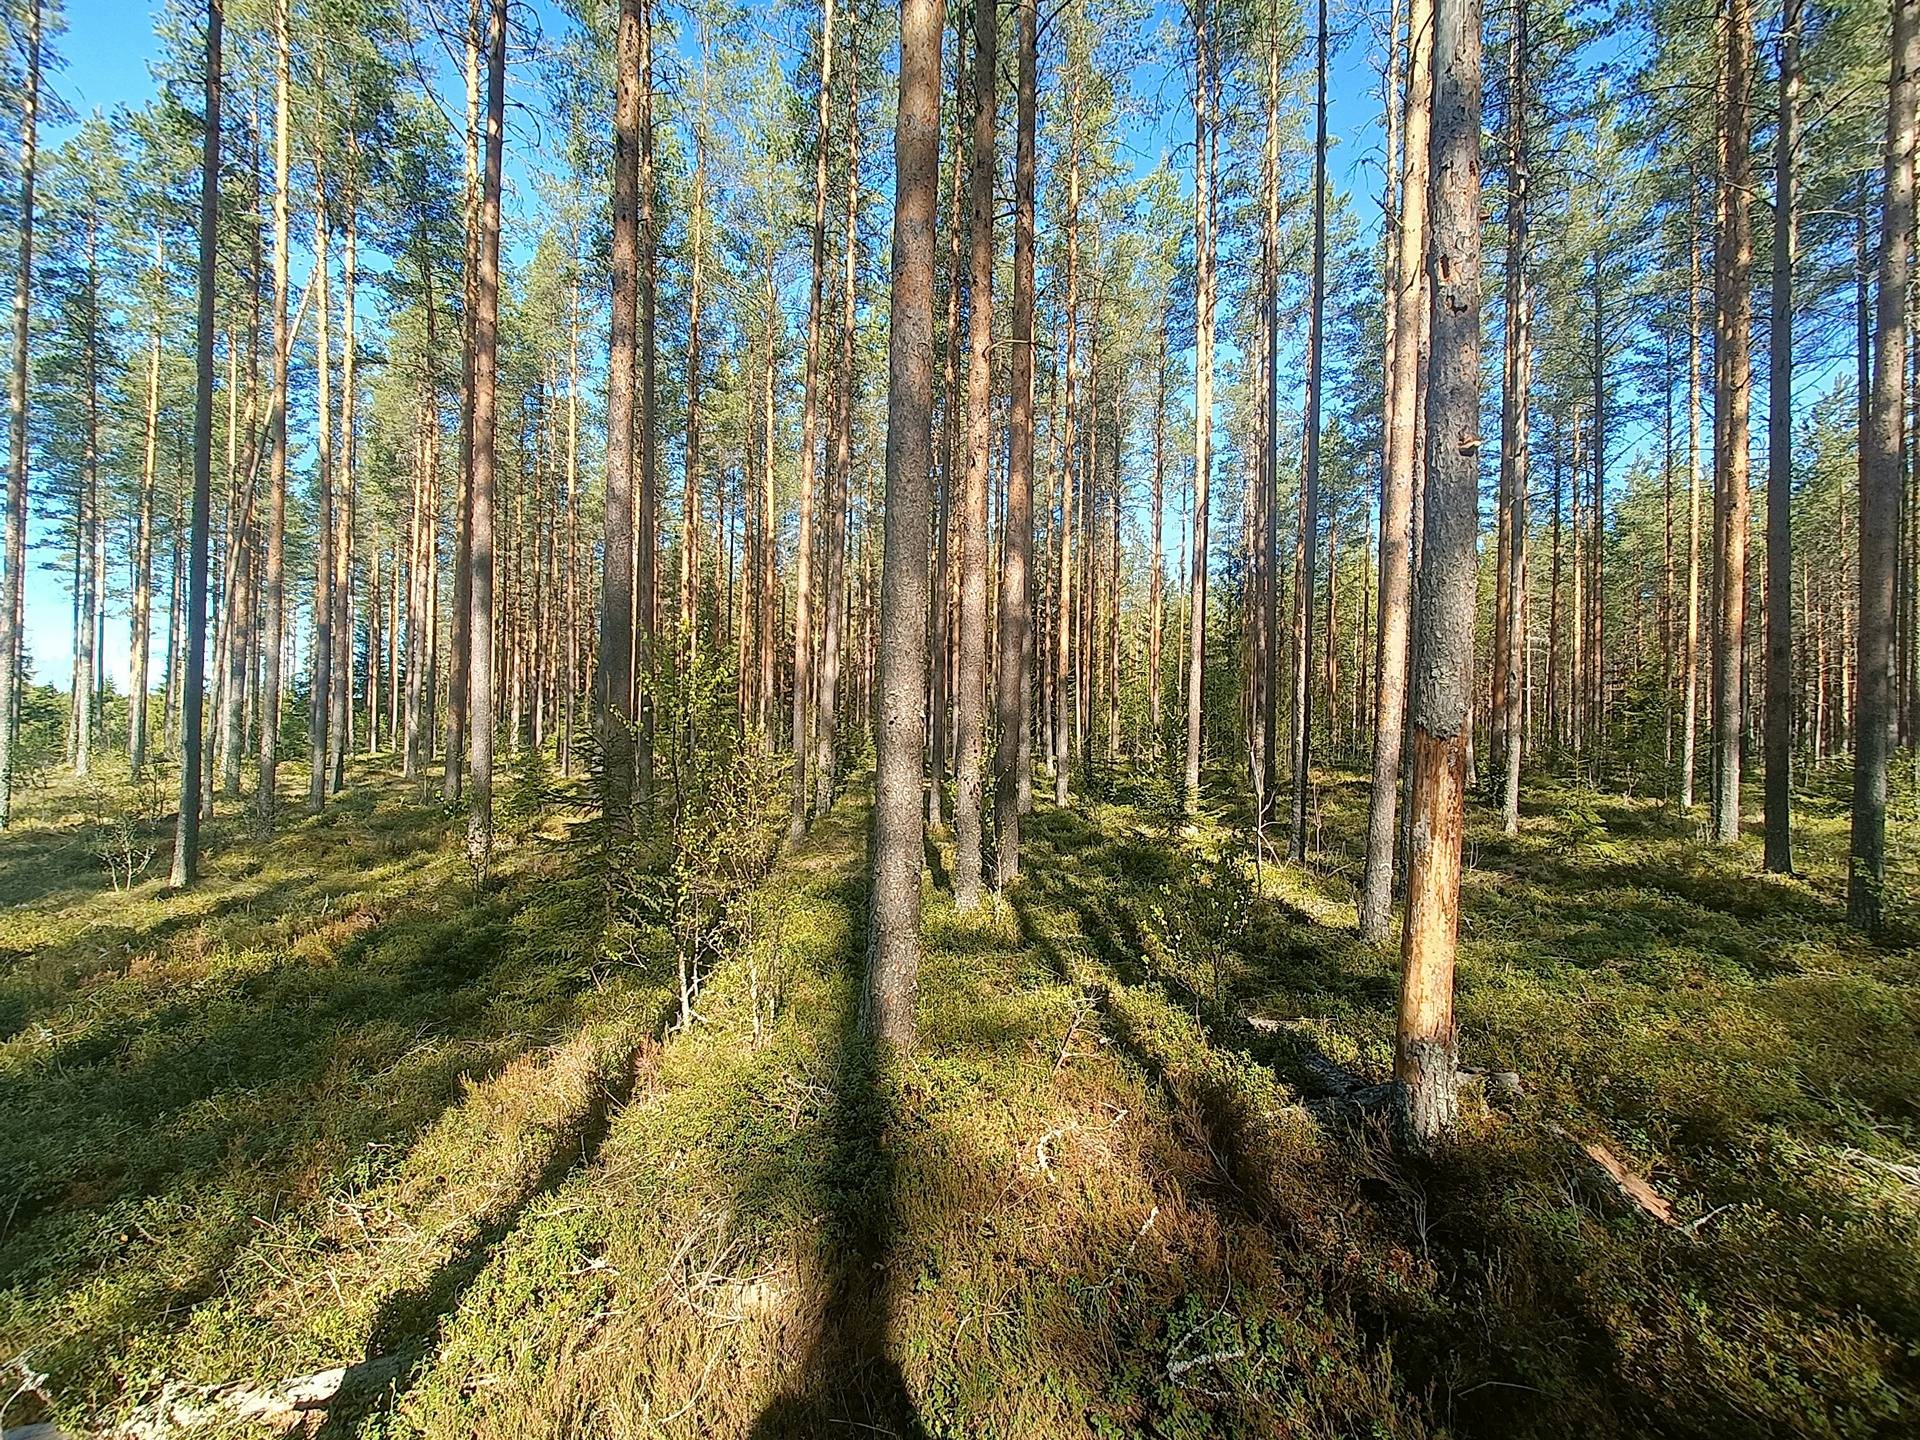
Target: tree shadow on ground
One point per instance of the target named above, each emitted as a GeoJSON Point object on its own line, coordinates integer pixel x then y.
{"type": "Point", "coordinates": [407, 1324]}
{"type": "Point", "coordinates": [848, 1378]}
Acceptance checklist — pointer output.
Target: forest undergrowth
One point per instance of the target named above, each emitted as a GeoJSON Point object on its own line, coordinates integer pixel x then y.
{"type": "Point", "coordinates": [339, 1108]}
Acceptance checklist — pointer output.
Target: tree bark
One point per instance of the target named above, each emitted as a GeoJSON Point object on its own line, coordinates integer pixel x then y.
{"type": "Point", "coordinates": [1779, 683]}
{"type": "Point", "coordinates": [186, 834]}
{"type": "Point", "coordinates": [1310, 470]}
{"type": "Point", "coordinates": [485, 364]}
{"type": "Point", "coordinates": [1880, 446]}
{"type": "Point", "coordinates": [1202, 398]}
{"type": "Point", "coordinates": [809, 443]}
{"type": "Point", "coordinates": [1515, 426]}
{"type": "Point", "coordinates": [1014, 753]}
{"type": "Point", "coordinates": [894, 958]}
{"type": "Point", "coordinates": [971, 730]}
{"type": "Point", "coordinates": [1733, 264]}
{"type": "Point", "coordinates": [1397, 484]}
{"type": "Point", "coordinates": [13, 593]}
{"type": "Point", "coordinates": [614, 680]}
{"type": "Point", "coordinates": [1425, 1052]}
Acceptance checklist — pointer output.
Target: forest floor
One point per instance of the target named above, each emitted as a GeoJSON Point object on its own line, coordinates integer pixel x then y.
{"type": "Point", "coordinates": [340, 1141]}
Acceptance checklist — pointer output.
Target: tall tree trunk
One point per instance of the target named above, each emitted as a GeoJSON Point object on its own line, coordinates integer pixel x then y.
{"type": "Point", "coordinates": [1397, 483]}
{"type": "Point", "coordinates": [1880, 445]}
{"type": "Point", "coordinates": [614, 680]}
{"type": "Point", "coordinates": [645, 539]}
{"type": "Point", "coordinates": [460, 661]}
{"type": "Point", "coordinates": [894, 956]}
{"type": "Point", "coordinates": [13, 591]}
{"type": "Point", "coordinates": [1202, 398]}
{"type": "Point", "coordinates": [273, 617]}
{"type": "Point", "coordinates": [485, 366]}
{"type": "Point", "coordinates": [839, 476]}
{"type": "Point", "coordinates": [1013, 753]}
{"type": "Point", "coordinates": [1514, 428]}
{"type": "Point", "coordinates": [1310, 470]}
{"type": "Point", "coordinates": [1425, 1051]}
{"type": "Point", "coordinates": [142, 620]}
{"type": "Point", "coordinates": [186, 834]}
{"type": "Point", "coordinates": [340, 737]}
{"type": "Point", "coordinates": [1690, 684]}
{"type": "Point", "coordinates": [1064, 593]}
{"type": "Point", "coordinates": [1779, 604]}
{"type": "Point", "coordinates": [940, 629]}
{"type": "Point", "coordinates": [971, 730]}
{"type": "Point", "coordinates": [320, 688]}
{"type": "Point", "coordinates": [809, 444]}
{"type": "Point", "coordinates": [1733, 264]}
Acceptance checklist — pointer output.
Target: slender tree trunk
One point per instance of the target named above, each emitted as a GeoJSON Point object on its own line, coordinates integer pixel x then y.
{"type": "Point", "coordinates": [1779, 604]}
{"type": "Point", "coordinates": [1013, 753]}
{"type": "Point", "coordinates": [1690, 684]}
{"type": "Point", "coordinates": [1733, 263]}
{"type": "Point", "coordinates": [1310, 472]}
{"type": "Point", "coordinates": [971, 731]}
{"type": "Point", "coordinates": [340, 737]}
{"type": "Point", "coordinates": [1515, 428]}
{"type": "Point", "coordinates": [1426, 1052]}
{"type": "Point", "coordinates": [1880, 445]}
{"type": "Point", "coordinates": [186, 835]}
{"type": "Point", "coordinates": [1397, 484]}
{"type": "Point", "coordinates": [940, 628]}
{"type": "Point", "coordinates": [485, 364]}
{"type": "Point", "coordinates": [614, 678]}
{"type": "Point", "coordinates": [839, 478]}
{"type": "Point", "coordinates": [1064, 618]}
{"type": "Point", "coordinates": [13, 591]}
{"type": "Point", "coordinates": [320, 689]}
{"type": "Point", "coordinates": [809, 445]}
{"type": "Point", "coordinates": [645, 539]}
{"type": "Point", "coordinates": [893, 963]}
{"type": "Point", "coordinates": [142, 626]}
{"type": "Point", "coordinates": [1202, 399]}
{"type": "Point", "coordinates": [460, 661]}
{"type": "Point", "coordinates": [273, 618]}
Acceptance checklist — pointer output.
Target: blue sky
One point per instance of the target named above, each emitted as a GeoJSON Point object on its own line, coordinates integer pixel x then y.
{"type": "Point", "coordinates": [110, 44]}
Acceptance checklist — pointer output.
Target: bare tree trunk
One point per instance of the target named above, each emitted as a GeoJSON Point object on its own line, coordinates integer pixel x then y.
{"type": "Point", "coordinates": [1690, 698]}
{"type": "Point", "coordinates": [1880, 445]}
{"type": "Point", "coordinates": [1397, 485]}
{"type": "Point", "coordinates": [839, 480]}
{"type": "Point", "coordinates": [1156, 573]}
{"type": "Point", "coordinates": [1779, 604]}
{"type": "Point", "coordinates": [1064, 618]}
{"type": "Point", "coordinates": [485, 363]}
{"type": "Point", "coordinates": [13, 593]}
{"type": "Point", "coordinates": [614, 677]}
{"type": "Point", "coordinates": [1310, 471]}
{"type": "Point", "coordinates": [1733, 263]}
{"type": "Point", "coordinates": [142, 627]}
{"type": "Point", "coordinates": [1426, 1052]}
{"type": "Point", "coordinates": [971, 730]}
{"type": "Point", "coordinates": [1515, 428]}
{"type": "Point", "coordinates": [893, 963]}
{"type": "Point", "coordinates": [940, 608]}
{"type": "Point", "coordinates": [186, 834]}
{"type": "Point", "coordinates": [1202, 398]}
{"type": "Point", "coordinates": [340, 738]}
{"type": "Point", "coordinates": [273, 617]}
{"type": "Point", "coordinates": [645, 537]}
{"type": "Point", "coordinates": [809, 443]}
{"type": "Point", "coordinates": [320, 688]}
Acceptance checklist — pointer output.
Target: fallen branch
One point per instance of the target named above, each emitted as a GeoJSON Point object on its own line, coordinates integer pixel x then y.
{"type": "Point", "coordinates": [1630, 1182]}
{"type": "Point", "coordinates": [194, 1408]}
